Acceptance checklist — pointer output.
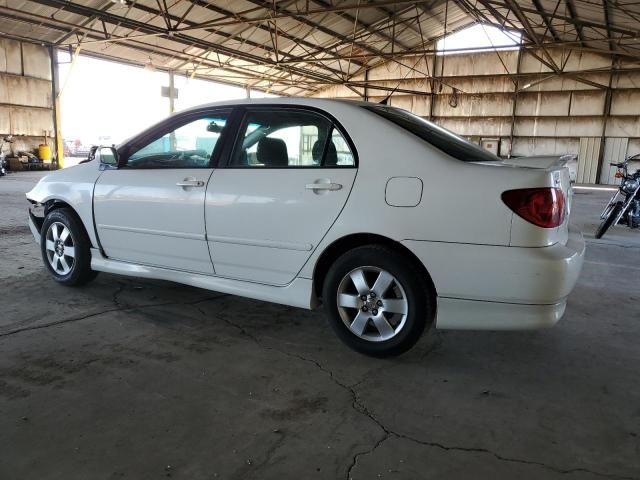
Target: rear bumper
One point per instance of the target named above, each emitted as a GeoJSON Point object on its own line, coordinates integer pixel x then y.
{"type": "Point", "coordinates": [493, 287]}
{"type": "Point", "coordinates": [458, 314]}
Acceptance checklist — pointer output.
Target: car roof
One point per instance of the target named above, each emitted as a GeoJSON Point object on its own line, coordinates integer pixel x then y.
{"type": "Point", "coordinates": [323, 103]}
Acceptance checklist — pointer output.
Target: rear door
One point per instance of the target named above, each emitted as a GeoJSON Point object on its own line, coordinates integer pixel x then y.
{"type": "Point", "coordinates": [151, 209]}
{"type": "Point", "coordinates": [286, 181]}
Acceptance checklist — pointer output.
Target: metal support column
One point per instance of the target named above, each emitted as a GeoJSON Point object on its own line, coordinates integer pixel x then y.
{"type": "Point", "coordinates": [55, 96]}
{"type": "Point", "coordinates": [514, 106]}
{"type": "Point", "coordinates": [172, 92]}
{"type": "Point", "coordinates": [605, 118]}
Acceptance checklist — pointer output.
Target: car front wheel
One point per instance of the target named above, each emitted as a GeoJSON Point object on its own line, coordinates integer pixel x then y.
{"type": "Point", "coordinates": [377, 301]}
{"type": "Point", "coordinates": [66, 248]}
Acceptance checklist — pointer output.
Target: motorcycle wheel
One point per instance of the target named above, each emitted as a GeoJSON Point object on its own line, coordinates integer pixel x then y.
{"type": "Point", "coordinates": [606, 223]}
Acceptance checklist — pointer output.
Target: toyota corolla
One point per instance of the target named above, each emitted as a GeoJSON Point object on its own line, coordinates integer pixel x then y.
{"type": "Point", "coordinates": [393, 223]}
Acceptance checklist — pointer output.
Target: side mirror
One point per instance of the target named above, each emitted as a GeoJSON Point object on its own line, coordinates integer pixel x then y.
{"type": "Point", "coordinates": [108, 156]}
{"type": "Point", "coordinates": [214, 128]}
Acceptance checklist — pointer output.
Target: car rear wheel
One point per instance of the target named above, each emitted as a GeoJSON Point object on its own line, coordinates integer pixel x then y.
{"type": "Point", "coordinates": [66, 248]}
{"type": "Point", "coordinates": [377, 301]}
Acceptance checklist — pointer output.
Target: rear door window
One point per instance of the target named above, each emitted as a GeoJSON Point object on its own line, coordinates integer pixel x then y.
{"type": "Point", "coordinates": [290, 138]}
{"type": "Point", "coordinates": [439, 137]}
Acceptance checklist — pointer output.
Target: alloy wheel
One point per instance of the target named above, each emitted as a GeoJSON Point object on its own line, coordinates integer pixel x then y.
{"type": "Point", "coordinates": [60, 248]}
{"type": "Point", "coordinates": [372, 303]}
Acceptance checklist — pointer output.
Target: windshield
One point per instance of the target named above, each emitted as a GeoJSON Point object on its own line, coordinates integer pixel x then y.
{"type": "Point", "coordinates": [439, 137]}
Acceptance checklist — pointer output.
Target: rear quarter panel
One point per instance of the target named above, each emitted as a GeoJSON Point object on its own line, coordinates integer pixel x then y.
{"type": "Point", "coordinates": [461, 202]}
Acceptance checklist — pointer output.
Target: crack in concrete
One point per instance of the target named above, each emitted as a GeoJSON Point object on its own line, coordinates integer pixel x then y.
{"type": "Point", "coordinates": [102, 312]}
{"type": "Point", "coordinates": [360, 407]}
{"type": "Point", "coordinates": [116, 293]}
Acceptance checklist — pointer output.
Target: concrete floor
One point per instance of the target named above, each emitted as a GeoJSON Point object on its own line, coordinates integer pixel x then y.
{"type": "Point", "coordinates": [139, 379]}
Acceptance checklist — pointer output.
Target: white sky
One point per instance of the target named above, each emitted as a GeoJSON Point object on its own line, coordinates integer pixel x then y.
{"type": "Point", "coordinates": [479, 37]}
{"type": "Point", "coordinates": [106, 102]}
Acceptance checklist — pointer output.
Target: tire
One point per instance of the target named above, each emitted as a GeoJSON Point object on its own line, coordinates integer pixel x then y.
{"type": "Point", "coordinates": [386, 315]}
{"type": "Point", "coordinates": [65, 248]}
{"type": "Point", "coordinates": [607, 222]}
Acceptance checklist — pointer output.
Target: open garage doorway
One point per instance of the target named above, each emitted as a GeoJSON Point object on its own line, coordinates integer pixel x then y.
{"type": "Point", "coordinates": [105, 102]}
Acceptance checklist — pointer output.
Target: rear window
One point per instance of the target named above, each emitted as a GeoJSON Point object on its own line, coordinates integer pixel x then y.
{"type": "Point", "coordinates": [439, 137]}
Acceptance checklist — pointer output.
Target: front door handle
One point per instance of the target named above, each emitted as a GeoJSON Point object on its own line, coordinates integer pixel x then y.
{"type": "Point", "coordinates": [323, 186]}
{"type": "Point", "coordinates": [190, 182]}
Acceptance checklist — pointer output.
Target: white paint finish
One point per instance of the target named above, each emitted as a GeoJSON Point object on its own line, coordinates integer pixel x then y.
{"type": "Point", "coordinates": [502, 274]}
{"type": "Point", "coordinates": [303, 247]}
{"type": "Point", "coordinates": [149, 231]}
{"type": "Point", "coordinates": [403, 191]}
{"type": "Point", "coordinates": [296, 294]}
{"type": "Point", "coordinates": [588, 159]}
{"type": "Point", "coordinates": [264, 226]}
{"type": "Point", "coordinates": [458, 314]}
{"type": "Point", "coordinates": [615, 151]}
{"type": "Point", "coordinates": [73, 186]}
{"type": "Point", "coordinates": [142, 216]}
{"type": "Point", "coordinates": [262, 223]}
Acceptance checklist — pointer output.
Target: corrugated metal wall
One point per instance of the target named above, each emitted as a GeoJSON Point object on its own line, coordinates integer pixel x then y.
{"type": "Point", "coordinates": [615, 150]}
{"type": "Point", "coordinates": [588, 159]}
{"type": "Point", "coordinates": [511, 95]}
{"type": "Point", "coordinates": [26, 107]}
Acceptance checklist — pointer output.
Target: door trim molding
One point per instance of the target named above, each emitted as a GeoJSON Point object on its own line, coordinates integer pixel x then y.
{"type": "Point", "coordinates": [303, 247]}
{"type": "Point", "coordinates": [149, 231]}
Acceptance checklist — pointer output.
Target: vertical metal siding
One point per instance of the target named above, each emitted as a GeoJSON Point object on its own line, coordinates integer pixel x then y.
{"type": "Point", "coordinates": [588, 159]}
{"type": "Point", "coordinates": [615, 150]}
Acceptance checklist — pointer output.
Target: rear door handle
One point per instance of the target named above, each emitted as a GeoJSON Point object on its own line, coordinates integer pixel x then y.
{"type": "Point", "coordinates": [187, 182]}
{"type": "Point", "coordinates": [323, 186]}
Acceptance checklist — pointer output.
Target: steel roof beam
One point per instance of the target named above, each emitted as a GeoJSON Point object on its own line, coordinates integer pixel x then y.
{"type": "Point", "coordinates": [181, 38]}
{"type": "Point", "coordinates": [574, 17]}
{"type": "Point", "coordinates": [547, 21]}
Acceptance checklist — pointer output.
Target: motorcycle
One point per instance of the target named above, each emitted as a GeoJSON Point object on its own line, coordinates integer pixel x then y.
{"type": "Point", "coordinates": [624, 206]}
{"type": "Point", "coordinates": [3, 161]}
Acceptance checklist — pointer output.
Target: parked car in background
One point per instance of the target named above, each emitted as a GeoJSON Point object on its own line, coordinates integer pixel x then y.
{"type": "Point", "coordinates": [393, 223]}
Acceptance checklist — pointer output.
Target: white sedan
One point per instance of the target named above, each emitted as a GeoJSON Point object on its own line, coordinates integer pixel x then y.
{"type": "Point", "coordinates": [390, 221]}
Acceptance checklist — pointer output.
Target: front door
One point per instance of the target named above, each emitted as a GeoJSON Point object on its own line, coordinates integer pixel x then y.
{"type": "Point", "coordinates": [285, 184]}
{"type": "Point", "coordinates": [151, 209]}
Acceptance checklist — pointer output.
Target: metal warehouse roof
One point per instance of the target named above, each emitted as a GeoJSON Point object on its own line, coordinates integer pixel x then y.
{"type": "Point", "coordinates": [299, 47]}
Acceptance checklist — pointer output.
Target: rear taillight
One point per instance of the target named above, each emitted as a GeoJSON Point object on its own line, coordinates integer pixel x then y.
{"type": "Point", "coordinates": [543, 207]}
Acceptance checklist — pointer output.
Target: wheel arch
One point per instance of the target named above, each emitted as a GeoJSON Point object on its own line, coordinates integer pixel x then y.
{"type": "Point", "coordinates": [349, 242]}
{"type": "Point", "coordinates": [57, 204]}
